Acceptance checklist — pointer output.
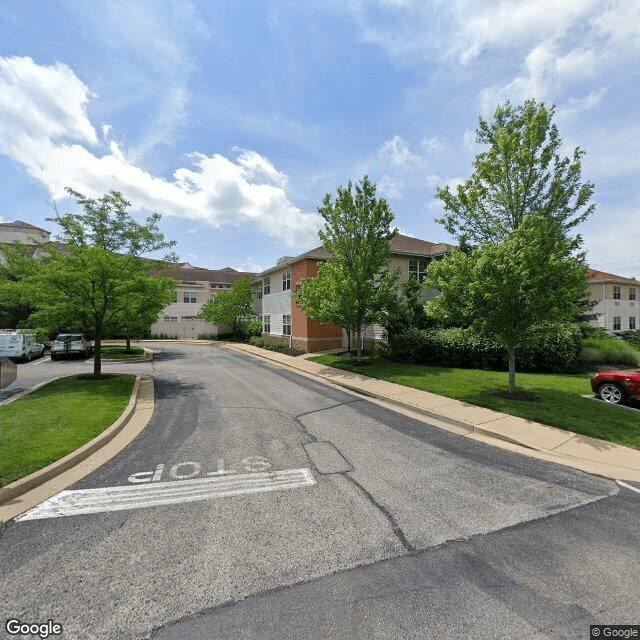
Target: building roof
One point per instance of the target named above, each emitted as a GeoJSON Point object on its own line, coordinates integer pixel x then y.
{"type": "Point", "coordinates": [219, 276]}
{"type": "Point", "coordinates": [602, 276]}
{"type": "Point", "coordinates": [403, 245]}
{"type": "Point", "coordinates": [19, 224]}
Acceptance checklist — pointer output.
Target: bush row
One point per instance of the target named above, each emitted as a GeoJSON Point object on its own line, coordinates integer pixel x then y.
{"type": "Point", "coordinates": [551, 347]}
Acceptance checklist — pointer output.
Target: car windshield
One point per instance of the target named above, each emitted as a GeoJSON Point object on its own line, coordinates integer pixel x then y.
{"type": "Point", "coordinates": [68, 337]}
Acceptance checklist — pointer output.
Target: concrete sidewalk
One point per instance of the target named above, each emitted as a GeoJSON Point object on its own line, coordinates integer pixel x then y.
{"type": "Point", "coordinates": [536, 440]}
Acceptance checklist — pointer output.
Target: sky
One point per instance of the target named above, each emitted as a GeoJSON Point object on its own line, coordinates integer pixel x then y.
{"type": "Point", "coordinates": [234, 119]}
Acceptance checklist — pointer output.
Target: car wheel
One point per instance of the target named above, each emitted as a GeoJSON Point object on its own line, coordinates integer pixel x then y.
{"type": "Point", "coordinates": [28, 357]}
{"type": "Point", "coordinates": [53, 357]}
{"type": "Point", "coordinates": [611, 393]}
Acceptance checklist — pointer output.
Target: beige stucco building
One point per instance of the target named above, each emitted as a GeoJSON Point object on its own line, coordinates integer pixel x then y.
{"type": "Point", "coordinates": [616, 299]}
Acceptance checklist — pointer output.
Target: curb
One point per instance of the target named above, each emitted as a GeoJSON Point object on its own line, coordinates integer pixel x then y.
{"type": "Point", "coordinates": [593, 466]}
{"type": "Point", "coordinates": [40, 477]}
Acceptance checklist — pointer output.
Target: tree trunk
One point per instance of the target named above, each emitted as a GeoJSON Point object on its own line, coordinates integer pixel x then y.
{"type": "Point", "coordinates": [349, 341]}
{"type": "Point", "coordinates": [512, 368]}
{"type": "Point", "coordinates": [97, 355]}
{"type": "Point", "coordinates": [359, 343]}
{"type": "Point", "coordinates": [128, 347]}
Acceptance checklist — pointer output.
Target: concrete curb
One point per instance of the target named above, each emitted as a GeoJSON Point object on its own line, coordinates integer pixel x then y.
{"type": "Point", "coordinates": [598, 464]}
{"type": "Point", "coordinates": [23, 494]}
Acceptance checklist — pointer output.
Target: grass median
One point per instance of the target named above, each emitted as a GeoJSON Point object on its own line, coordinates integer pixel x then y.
{"type": "Point", "coordinates": [117, 352]}
{"type": "Point", "coordinates": [555, 399]}
{"type": "Point", "coordinates": [56, 419]}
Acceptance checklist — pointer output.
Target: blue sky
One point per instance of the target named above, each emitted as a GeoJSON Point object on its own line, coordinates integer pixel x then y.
{"type": "Point", "coordinates": [233, 119]}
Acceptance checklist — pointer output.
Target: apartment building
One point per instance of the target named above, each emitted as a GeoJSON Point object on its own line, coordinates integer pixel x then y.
{"type": "Point", "coordinates": [183, 318]}
{"type": "Point", "coordinates": [284, 319]}
{"type": "Point", "coordinates": [616, 300]}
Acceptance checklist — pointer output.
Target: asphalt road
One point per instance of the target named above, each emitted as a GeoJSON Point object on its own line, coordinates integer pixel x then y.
{"type": "Point", "coordinates": [261, 504]}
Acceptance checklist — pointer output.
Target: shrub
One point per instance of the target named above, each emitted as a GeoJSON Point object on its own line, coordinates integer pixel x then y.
{"type": "Point", "coordinates": [251, 328]}
{"type": "Point", "coordinates": [632, 337]}
{"type": "Point", "coordinates": [610, 351]}
{"type": "Point", "coordinates": [279, 346]}
{"type": "Point", "coordinates": [258, 341]}
{"type": "Point", "coordinates": [225, 335]}
{"type": "Point", "coordinates": [549, 347]}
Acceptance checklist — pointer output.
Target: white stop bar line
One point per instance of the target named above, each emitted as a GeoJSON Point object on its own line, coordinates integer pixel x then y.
{"type": "Point", "coordinates": [69, 503]}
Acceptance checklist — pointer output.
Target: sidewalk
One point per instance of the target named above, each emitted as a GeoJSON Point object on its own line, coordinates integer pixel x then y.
{"type": "Point", "coordinates": [533, 439]}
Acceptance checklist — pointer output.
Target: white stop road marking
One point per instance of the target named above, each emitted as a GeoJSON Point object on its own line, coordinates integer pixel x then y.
{"type": "Point", "coordinates": [68, 503]}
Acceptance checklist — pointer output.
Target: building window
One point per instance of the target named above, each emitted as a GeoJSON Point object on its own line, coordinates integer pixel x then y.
{"type": "Point", "coordinates": [286, 279]}
{"type": "Point", "coordinates": [417, 269]}
{"type": "Point", "coordinates": [632, 293]}
{"type": "Point", "coordinates": [260, 293]}
{"type": "Point", "coordinates": [266, 324]}
{"type": "Point", "coordinates": [616, 323]}
{"type": "Point", "coordinates": [632, 323]}
{"type": "Point", "coordinates": [190, 296]}
{"type": "Point", "coordinates": [286, 325]}
{"type": "Point", "coordinates": [170, 319]}
{"type": "Point", "coordinates": [616, 292]}
{"type": "Point", "coordinates": [266, 286]}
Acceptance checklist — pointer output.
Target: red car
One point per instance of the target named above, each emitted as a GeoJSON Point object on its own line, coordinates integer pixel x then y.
{"type": "Point", "coordinates": [617, 387]}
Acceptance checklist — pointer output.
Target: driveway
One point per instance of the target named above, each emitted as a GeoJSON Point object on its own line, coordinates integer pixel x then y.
{"type": "Point", "coordinates": [261, 504]}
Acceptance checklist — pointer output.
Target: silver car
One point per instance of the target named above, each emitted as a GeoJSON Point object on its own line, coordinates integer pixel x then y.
{"type": "Point", "coordinates": [67, 344]}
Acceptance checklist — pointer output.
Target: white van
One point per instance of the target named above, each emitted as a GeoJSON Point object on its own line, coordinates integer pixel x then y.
{"type": "Point", "coordinates": [15, 345]}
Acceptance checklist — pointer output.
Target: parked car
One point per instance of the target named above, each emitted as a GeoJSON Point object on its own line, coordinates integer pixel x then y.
{"type": "Point", "coordinates": [67, 344]}
{"type": "Point", "coordinates": [37, 350]}
{"type": "Point", "coordinates": [617, 387]}
{"type": "Point", "coordinates": [16, 345]}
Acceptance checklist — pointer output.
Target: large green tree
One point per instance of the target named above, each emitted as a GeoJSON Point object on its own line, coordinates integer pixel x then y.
{"type": "Point", "coordinates": [521, 173]}
{"type": "Point", "coordinates": [16, 303]}
{"type": "Point", "coordinates": [352, 286]}
{"type": "Point", "coordinates": [231, 307]}
{"type": "Point", "coordinates": [99, 278]}
{"type": "Point", "coordinates": [505, 290]}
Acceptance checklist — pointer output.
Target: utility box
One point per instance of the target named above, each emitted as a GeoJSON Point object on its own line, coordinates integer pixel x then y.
{"type": "Point", "coordinates": [8, 372]}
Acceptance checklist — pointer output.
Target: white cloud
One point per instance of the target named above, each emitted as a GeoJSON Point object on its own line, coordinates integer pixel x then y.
{"type": "Point", "coordinates": [396, 151]}
{"type": "Point", "coordinates": [46, 129]}
{"type": "Point", "coordinates": [432, 145]}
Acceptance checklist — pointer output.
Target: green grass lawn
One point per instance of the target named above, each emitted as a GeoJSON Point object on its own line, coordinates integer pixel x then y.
{"type": "Point", "coordinates": [117, 352]}
{"type": "Point", "coordinates": [559, 400]}
{"type": "Point", "coordinates": [56, 419]}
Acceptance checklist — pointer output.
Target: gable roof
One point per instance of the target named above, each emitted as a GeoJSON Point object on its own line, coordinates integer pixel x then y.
{"type": "Point", "coordinates": [602, 276]}
{"type": "Point", "coordinates": [400, 244]}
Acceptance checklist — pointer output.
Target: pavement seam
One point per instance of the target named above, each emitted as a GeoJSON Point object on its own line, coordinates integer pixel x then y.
{"type": "Point", "coordinates": [599, 467]}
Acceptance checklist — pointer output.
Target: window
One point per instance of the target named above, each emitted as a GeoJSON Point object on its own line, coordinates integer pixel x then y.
{"type": "Point", "coordinates": [616, 323]}
{"type": "Point", "coordinates": [170, 319]}
{"type": "Point", "coordinates": [266, 324]}
{"type": "Point", "coordinates": [189, 296]}
{"type": "Point", "coordinates": [616, 292]}
{"type": "Point", "coordinates": [286, 325]}
{"type": "Point", "coordinates": [260, 293]}
{"type": "Point", "coordinates": [632, 323]}
{"type": "Point", "coordinates": [286, 279]}
{"type": "Point", "coordinates": [417, 269]}
{"type": "Point", "coordinates": [632, 293]}
{"type": "Point", "coordinates": [266, 286]}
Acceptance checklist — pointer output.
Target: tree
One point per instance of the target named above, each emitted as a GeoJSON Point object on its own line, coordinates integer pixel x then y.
{"type": "Point", "coordinates": [231, 307]}
{"type": "Point", "coordinates": [505, 290]}
{"type": "Point", "coordinates": [521, 174]}
{"type": "Point", "coordinates": [15, 300]}
{"type": "Point", "coordinates": [353, 284]}
{"type": "Point", "coordinates": [99, 278]}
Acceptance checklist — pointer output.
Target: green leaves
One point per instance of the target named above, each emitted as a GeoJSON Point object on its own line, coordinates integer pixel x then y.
{"type": "Point", "coordinates": [521, 174]}
{"type": "Point", "coordinates": [351, 286]}
{"type": "Point", "coordinates": [231, 307]}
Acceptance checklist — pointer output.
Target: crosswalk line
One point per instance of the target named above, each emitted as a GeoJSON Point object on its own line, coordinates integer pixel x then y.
{"type": "Point", "coordinates": [82, 501]}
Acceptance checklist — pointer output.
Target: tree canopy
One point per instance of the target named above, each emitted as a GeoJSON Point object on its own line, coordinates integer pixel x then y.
{"type": "Point", "coordinates": [352, 286]}
{"type": "Point", "coordinates": [99, 283]}
{"type": "Point", "coordinates": [521, 173]}
{"type": "Point", "coordinates": [231, 307]}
